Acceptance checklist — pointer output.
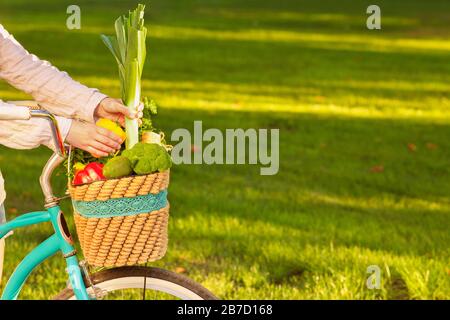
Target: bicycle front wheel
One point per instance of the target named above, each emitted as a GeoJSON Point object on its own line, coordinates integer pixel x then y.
{"type": "Point", "coordinates": [137, 283]}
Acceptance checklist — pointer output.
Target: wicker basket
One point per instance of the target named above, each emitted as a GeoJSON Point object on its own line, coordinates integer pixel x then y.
{"type": "Point", "coordinates": [122, 221]}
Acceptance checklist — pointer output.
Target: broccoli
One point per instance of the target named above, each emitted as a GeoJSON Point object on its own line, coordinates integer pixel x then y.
{"type": "Point", "coordinates": [146, 158]}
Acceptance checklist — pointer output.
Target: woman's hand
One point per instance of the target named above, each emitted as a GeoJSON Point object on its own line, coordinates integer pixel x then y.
{"type": "Point", "coordinates": [115, 110]}
{"type": "Point", "coordinates": [97, 141]}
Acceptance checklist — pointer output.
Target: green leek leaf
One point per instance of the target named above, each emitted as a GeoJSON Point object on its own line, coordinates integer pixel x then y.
{"type": "Point", "coordinates": [129, 49]}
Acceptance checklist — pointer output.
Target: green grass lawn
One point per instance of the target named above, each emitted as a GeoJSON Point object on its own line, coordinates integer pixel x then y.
{"type": "Point", "coordinates": [364, 141]}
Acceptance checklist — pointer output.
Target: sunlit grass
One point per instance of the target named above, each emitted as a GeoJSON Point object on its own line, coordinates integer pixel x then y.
{"type": "Point", "coordinates": [314, 99]}
{"type": "Point", "coordinates": [342, 41]}
{"type": "Point", "coordinates": [364, 125]}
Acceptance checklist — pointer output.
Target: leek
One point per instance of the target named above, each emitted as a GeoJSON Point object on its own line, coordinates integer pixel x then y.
{"type": "Point", "coordinates": [129, 50]}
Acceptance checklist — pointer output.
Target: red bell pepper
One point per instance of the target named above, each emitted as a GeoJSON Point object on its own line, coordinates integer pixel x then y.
{"type": "Point", "coordinates": [95, 171]}
{"type": "Point", "coordinates": [92, 172]}
{"type": "Point", "coordinates": [81, 177]}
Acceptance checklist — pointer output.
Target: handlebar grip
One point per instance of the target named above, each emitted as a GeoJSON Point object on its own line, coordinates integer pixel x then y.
{"type": "Point", "coordinates": [14, 113]}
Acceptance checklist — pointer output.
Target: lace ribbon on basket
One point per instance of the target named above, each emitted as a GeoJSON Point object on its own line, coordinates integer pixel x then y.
{"type": "Point", "coordinates": [121, 206]}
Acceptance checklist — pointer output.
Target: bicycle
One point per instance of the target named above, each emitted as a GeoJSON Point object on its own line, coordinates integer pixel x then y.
{"type": "Point", "coordinates": [106, 284]}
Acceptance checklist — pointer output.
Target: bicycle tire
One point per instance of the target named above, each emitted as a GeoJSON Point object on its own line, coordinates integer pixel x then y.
{"type": "Point", "coordinates": [165, 277]}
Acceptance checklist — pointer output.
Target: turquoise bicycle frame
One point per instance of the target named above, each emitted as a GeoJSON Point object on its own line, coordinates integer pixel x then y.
{"type": "Point", "coordinates": [59, 241]}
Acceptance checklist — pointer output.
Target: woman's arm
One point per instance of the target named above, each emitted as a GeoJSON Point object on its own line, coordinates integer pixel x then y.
{"type": "Point", "coordinates": [28, 134]}
{"type": "Point", "coordinates": [53, 89]}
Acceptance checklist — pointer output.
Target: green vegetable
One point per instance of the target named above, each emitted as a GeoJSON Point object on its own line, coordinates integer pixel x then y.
{"type": "Point", "coordinates": [117, 167]}
{"type": "Point", "coordinates": [128, 47]}
{"type": "Point", "coordinates": [148, 158]}
{"type": "Point", "coordinates": [150, 110]}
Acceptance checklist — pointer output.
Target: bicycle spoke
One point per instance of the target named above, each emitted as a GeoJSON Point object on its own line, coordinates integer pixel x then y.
{"type": "Point", "coordinates": [145, 287]}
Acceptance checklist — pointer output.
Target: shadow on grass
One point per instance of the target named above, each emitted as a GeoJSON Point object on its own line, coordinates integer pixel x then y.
{"type": "Point", "coordinates": [233, 15]}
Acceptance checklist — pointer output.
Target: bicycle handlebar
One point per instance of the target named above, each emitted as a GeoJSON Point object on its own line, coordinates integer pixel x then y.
{"type": "Point", "coordinates": [58, 141]}
{"type": "Point", "coordinates": [15, 113]}
{"type": "Point", "coordinates": [22, 111]}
